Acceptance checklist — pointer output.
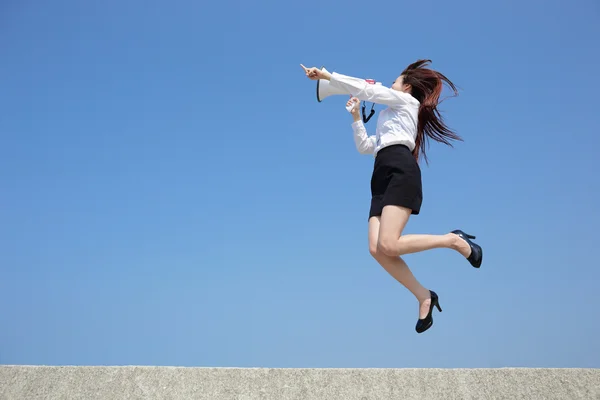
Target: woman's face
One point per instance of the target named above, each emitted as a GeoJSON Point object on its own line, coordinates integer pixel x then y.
{"type": "Point", "coordinates": [400, 85]}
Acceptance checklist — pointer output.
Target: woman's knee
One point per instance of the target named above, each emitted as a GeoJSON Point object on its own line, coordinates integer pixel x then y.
{"type": "Point", "coordinates": [373, 250]}
{"type": "Point", "coordinates": [388, 246]}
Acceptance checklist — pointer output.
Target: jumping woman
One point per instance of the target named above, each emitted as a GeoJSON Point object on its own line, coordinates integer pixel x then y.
{"type": "Point", "coordinates": [410, 118]}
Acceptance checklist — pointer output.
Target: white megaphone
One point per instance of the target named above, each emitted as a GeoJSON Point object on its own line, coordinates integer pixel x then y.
{"type": "Point", "coordinates": [324, 90]}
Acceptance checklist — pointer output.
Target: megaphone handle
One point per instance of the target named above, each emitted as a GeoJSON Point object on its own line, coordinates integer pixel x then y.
{"type": "Point", "coordinates": [351, 106]}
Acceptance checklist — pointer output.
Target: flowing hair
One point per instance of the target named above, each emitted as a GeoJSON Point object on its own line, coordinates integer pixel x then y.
{"type": "Point", "coordinates": [427, 86]}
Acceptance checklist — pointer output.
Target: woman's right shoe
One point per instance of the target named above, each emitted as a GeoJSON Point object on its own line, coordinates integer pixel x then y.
{"type": "Point", "coordinates": [476, 255]}
{"type": "Point", "coordinates": [425, 323]}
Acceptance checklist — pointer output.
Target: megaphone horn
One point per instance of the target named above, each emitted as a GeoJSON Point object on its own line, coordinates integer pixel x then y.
{"type": "Point", "coordinates": [324, 89]}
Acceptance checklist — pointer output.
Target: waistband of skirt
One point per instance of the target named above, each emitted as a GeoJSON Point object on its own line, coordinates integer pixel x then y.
{"type": "Point", "coordinates": [394, 147]}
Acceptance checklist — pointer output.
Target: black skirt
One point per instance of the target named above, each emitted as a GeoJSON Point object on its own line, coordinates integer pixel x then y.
{"type": "Point", "coordinates": [396, 180]}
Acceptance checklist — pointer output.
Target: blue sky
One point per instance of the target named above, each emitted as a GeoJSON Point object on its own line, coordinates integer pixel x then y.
{"type": "Point", "coordinates": [173, 194]}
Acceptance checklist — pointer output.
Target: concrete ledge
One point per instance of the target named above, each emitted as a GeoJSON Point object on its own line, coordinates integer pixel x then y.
{"type": "Point", "coordinates": [133, 382]}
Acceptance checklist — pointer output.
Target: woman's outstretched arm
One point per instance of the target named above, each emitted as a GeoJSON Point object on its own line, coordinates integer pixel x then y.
{"type": "Point", "coordinates": [362, 89]}
{"type": "Point", "coordinates": [366, 91]}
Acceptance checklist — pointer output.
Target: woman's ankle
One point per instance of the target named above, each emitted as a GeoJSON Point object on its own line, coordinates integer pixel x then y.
{"type": "Point", "coordinates": [457, 243]}
{"type": "Point", "coordinates": [422, 295]}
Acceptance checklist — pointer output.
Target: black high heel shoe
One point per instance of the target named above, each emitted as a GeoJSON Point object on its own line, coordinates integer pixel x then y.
{"type": "Point", "coordinates": [425, 323]}
{"type": "Point", "coordinates": [476, 255]}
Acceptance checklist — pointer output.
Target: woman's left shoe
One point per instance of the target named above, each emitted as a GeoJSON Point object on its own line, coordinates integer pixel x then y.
{"type": "Point", "coordinates": [476, 255]}
{"type": "Point", "coordinates": [425, 323]}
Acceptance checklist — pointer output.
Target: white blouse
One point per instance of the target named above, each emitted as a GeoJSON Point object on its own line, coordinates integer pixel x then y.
{"type": "Point", "coordinates": [397, 124]}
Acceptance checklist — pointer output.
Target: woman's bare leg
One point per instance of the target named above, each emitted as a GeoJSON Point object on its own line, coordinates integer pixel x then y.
{"type": "Point", "coordinates": [393, 243]}
{"type": "Point", "coordinates": [398, 268]}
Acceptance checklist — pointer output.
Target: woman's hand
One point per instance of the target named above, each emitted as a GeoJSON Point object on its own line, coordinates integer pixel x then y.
{"type": "Point", "coordinates": [315, 73]}
{"type": "Point", "coordinates": [355, 113]}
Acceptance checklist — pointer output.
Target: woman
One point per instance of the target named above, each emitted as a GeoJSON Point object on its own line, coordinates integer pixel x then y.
{"type": "Point", "coordinates": [411, 117]}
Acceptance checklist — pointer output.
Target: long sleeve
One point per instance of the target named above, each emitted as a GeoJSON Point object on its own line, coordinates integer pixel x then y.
{"type": "Point", "coordinates": [365, 91]}
{"type": "Point", "coordinates": [365, 144]}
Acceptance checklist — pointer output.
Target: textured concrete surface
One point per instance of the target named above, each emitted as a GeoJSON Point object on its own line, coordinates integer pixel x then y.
{"type": "Point", "coordinates": [132, 382]}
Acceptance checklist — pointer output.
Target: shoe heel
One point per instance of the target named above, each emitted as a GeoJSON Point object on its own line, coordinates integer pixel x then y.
{"type": "Point", "coordinates": [438, 307]}
{"type": "Point", "coordinates": [470, 236]}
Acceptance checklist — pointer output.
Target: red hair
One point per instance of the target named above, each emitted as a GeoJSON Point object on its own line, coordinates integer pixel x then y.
{"type": "Point", "coordinates": [427, 86]}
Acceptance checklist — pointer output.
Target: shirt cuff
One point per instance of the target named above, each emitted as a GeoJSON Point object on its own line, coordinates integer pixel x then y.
{"type": "Point", "coordinates": [357, 124]}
